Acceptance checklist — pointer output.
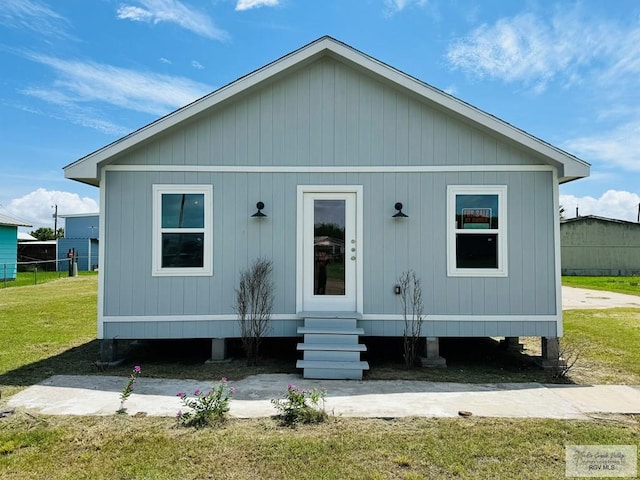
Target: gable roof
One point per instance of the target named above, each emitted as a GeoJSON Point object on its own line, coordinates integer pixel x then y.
{"type": "Point", "coordinates": [7, 221]}
{"type": "Point", "coordinates": [569, 167]}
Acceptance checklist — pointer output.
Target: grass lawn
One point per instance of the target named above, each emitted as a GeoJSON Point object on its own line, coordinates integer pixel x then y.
{"type": "Point", "coordinates": [608, 342]}
{"type": "Point", "coordinates": [629, 285]}
{"type": "Point", "coordinates": [39, 276]}
{"type": "Point", "coordinates": [50, 329]}
{"type": "Point", "coordinates": [413, 448]}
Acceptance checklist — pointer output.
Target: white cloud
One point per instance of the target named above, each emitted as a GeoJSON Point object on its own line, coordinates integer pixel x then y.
{"type": "Point", "coordinates": [37, 207]}
{"type": "Point", "coordinates": [197, 65]}
{"type": "Point", "coordinates": [33, 15]}
{"type": "Point", "coordinates": [172, 11]}
{"type": "Point", "coordinates": [537, 49]}
{"type": "Point", "coordinates": [619, 147]}
{"type": "Point", "coordinates": [135, 14]}
{"type": "Point", "coordinates": [78, 83]}
{"type": "Point", "coordinates": [165, 61]}
{"type": "Point", "coordinates": [612, 204]}
{"type": "Point", "coordinates": [249, 4]}
{"type": "Point", "coordinates": [395, 6]}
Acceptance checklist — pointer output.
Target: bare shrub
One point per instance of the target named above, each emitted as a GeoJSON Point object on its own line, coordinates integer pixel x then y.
{"type": "Point", "coordinates": [412, 313]}
{"type": "Point", "coordinates": [254, 303]}
{"type": "Point", "coordinates": [568, 356]}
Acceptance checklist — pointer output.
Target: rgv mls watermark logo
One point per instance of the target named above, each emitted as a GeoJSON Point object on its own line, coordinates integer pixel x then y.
{"type": "Point", "coordinates": [601, 461]}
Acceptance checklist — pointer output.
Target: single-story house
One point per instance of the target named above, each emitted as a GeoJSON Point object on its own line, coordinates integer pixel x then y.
{"type": "Point", "coordinates": [9, 246]}
{"type": "Point", "coordinates": [81, 235]}
{"type": "Point", "coordinates": [329, 139]}
{"type": "Point", "coordinates": [600, 246]}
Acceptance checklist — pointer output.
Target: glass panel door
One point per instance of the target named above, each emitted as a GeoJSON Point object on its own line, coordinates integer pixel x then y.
{"type": "Point", "coordinates": [328, 247]}
{"type": "Point", "coordinates": [329, 251]}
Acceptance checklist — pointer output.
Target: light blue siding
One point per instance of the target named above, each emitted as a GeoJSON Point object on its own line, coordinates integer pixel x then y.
{"type": "Point", "coordinates": [389, 246]}
{"type": "Point", "coordinates": [329, 115]}
{"type": "Point", "coordinates": [82, 226]}
{"type": "Point", "coordinates": [81, 246]}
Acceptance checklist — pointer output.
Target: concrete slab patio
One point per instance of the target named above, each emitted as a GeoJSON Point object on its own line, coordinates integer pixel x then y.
{"type": "Point", "coordinates": [99, 395]}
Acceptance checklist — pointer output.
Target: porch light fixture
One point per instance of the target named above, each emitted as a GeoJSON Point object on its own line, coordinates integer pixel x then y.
{"type": "Point", "coordinates": [259, 213]}
{"type": "Point", "coordinates": [399, 214]}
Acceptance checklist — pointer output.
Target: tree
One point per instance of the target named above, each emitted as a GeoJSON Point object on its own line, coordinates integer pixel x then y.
{"type": "Point", "coordinates": [46, 233]}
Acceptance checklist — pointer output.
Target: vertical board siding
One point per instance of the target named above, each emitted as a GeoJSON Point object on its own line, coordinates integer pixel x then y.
{"type": "Point", "coordinates": [8, 252]}
{"type": "Point", "coordinates": [593, 246]}
{"type": "Point", "coordinates": [327, 114]}
{"type": "Point", "coordinates": [389, 246]}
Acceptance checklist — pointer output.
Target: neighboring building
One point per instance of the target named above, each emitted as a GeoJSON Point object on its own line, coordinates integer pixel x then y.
{"type": "Point", "coordinates": [335, 144]}
{"type": "Point", "coordinates": [81, 234]}
{"type": "Point", "coordinates": [9, 246]}
{"type": "Point", "coordinates": [25, 237]}
{"type": "Point", "coordinates": [40, 253]}
{"type": "Point", "coordinates": [600, 246]}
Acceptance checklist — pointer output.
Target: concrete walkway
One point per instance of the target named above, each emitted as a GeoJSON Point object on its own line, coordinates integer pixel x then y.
{"type": "Point", "coordinates": [99, 395]}
{"type": "Point", "coordinates": [583, 298]}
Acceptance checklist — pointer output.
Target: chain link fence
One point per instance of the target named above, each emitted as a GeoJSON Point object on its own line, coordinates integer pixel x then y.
{"type": "Point", "coordinates": [40, 271]}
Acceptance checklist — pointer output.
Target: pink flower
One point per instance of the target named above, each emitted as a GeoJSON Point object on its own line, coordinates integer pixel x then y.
{"type": "Point", "coordinates": [137, 369]}
{"type": "Point", "coordinates": [197, 392]}
{"type": "Point", "coordinates": [223, 379]}
{"type": "Point", "coordinates": [232, 389]}
{"type": "Point", "coordinates": [181, 394]}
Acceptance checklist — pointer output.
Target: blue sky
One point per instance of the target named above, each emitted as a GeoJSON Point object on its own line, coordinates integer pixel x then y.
{"type": "Point", "coordinates": [79, 74]}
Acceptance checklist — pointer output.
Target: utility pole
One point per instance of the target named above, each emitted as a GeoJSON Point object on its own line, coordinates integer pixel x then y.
{"type": "Point", "coordinates": [55, 222]}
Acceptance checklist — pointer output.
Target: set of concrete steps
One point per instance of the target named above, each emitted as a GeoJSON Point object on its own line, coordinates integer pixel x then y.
{"type": "Point", "coordinates": [331, 348]}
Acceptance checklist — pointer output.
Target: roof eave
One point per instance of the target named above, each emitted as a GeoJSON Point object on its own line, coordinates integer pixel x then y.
{"type": "Point", "coordinates": [86, 169]}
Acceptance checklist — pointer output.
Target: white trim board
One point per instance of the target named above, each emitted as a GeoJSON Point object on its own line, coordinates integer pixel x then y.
{"type": "Point", "coordinates": [329, 169]}
{"type": "Point", "coordinates": [367, 317]}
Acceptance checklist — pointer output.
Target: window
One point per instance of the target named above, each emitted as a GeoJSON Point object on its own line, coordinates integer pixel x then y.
{"type": "Point", "coordinates": [182, 230]}
{"type": "Point", "coordinates": [477, 238]}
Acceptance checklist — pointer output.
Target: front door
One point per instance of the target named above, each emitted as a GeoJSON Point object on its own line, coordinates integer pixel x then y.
{"type": "Point", "coordinates": [329, 251]}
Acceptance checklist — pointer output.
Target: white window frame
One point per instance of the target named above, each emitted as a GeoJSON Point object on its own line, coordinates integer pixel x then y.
{"type": "Point", "coordinates": [207, 265]}
{"type": "Point", "coordinates": [452, 192]}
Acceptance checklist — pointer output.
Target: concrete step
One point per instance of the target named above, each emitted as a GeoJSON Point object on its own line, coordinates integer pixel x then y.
{"type": "Point", "coordinates": [321, 369]}
{"type": "Point", "coordinates": [332, 355]}
{"type": "Point", "coordinates": [332, 323]}
{"type": "Point", "coordinates": [357, 347]}
{"type": "Point", "coordinates": [355, 315]}
{"type": "Point", "coordinates": [330, 339]}
{"type": "Point", "coordinates": [329, 364]}
{"type": "Point", "coordinates": [331, 331]}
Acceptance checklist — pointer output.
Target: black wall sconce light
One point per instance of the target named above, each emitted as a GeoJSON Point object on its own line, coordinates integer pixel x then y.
{"type": "Point", "coordinates": [399, 214]}
{"type": "Point", "coordinates": [259, 213]}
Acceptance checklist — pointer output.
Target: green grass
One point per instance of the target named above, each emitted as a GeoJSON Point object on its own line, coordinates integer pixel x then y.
{"type": "Point", "coordinates": [42, 322]}
{"type": "Point", "coordinates": [629, 285]}
{"type": "Point", "coordinates": [413, 448]}
{"type": "Point", "coordinates": [50, 329]}
{"type": "Point", "coordinates": [608, 342]}
{"type": "Point", "coordinates": [36, 277]}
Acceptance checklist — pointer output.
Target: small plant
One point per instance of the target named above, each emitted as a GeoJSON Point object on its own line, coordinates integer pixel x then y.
{"type": "Point", "coordinates": [569, 355]}
{"type": "Point", "coordinates": [128, 389]}
{"type": "Point", "coordinates": [301, 406]}
{"type": "Point", "coordinates": [205, 408]}
{"type": "Point", "coordinates": [254, 302]}
{"type": "Point", "coordinates": [412, 313]}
